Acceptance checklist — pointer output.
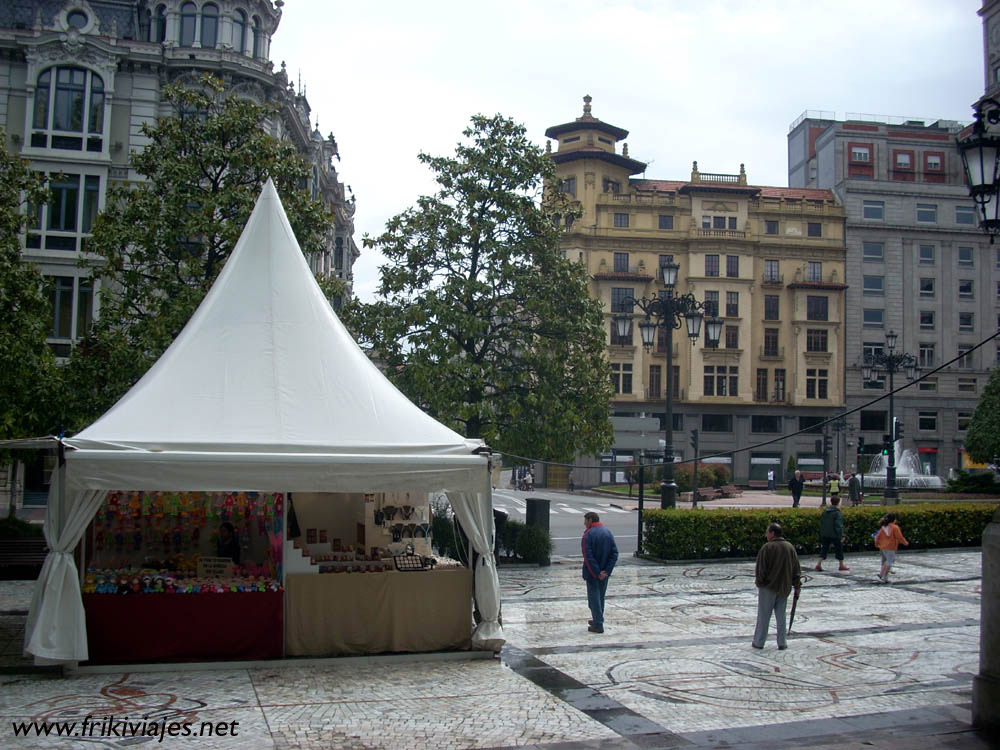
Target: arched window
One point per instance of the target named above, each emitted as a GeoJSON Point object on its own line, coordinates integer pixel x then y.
{"type": "Point", "coordinates": [256, 37]}
{"type": "Point", "coordinates": [209, 25]}
{"type": "Point", "coordinates": [188, 18]}
{"type": "Point", "coordinates": [158, 29]}
{"type": "Point", "coordinates": [240, 31]}
{"type": "Point", "coordinates": [69, 102]}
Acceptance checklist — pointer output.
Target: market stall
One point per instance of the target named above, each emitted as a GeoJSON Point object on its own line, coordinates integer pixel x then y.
{"type": "Point", "coordinates": [264, 391]}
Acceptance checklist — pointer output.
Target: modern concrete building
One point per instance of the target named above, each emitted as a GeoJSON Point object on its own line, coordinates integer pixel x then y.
{"type": "Point", "coordinates": [78, 78]}
{"type": "Point", "coordinates": [768, 260]}
{"type": "Point", "coordinates": [917, 264]}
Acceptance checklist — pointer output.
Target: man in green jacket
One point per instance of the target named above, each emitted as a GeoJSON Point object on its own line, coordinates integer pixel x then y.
{"type": "Point", "coordinates": [831, 531]}
{"type": "Point", "coordinates": [777, 574]}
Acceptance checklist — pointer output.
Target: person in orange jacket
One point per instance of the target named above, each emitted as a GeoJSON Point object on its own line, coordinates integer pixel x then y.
{"type": "Point", "coordinates": [887, 539]}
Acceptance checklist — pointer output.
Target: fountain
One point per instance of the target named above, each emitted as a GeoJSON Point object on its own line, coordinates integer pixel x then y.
{"type": "Point", "coordinates": [909, 473]}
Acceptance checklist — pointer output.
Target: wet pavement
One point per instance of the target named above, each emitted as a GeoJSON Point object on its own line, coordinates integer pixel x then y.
{"type": "Point", "coordinates": [868, 666]}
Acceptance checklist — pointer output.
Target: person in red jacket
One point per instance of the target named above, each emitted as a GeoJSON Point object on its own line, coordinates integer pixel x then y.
{"type": "Point", "coordinates": [887, 539]}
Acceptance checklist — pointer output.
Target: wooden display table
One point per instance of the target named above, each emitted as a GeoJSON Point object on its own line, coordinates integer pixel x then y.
{"type": "Point", "coordinates": [335, 614]}
{"type": "Point", "coordinates": [183, 627]}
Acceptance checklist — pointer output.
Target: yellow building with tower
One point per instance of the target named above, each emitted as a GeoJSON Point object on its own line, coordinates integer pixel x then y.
{"type": "Point", "coordinates": [769, 262]}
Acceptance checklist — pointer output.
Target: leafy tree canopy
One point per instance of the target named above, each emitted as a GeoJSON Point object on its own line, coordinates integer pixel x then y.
{"type": "Point", "coordinates": [982, 441]}
{"type": "Point", "coordinates": [161, 242]}
{"type": "Point", "coordinates": [479, 319]}
{"type": "Point", "coordinates": [27, 366]}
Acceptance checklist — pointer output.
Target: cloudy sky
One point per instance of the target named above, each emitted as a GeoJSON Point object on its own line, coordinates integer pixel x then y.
{"type": "Point", "coordinates": [717, 81]}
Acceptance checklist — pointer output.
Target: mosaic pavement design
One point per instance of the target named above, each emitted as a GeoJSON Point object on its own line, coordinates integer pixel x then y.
{"type": "Point", "coordinates": [674, 668]}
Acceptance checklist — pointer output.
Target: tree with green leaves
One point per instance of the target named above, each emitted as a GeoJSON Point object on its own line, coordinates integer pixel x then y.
{"type": "Point", "coordinates": [162, 242]}
{"type": "Point", "coordinates": [982, 441]}
{"type": "Point", "coordinates": [479, 319]}
{"type": "Point", "coordinates": [27, 366]}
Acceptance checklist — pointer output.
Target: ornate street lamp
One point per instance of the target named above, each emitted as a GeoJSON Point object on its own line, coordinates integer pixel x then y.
{"type": "Point", "coordinates": [981, 160]}
{"type": "Point", "coordinates": [890, 363]}
{"type": "Point", "coordinates": [667, 312]}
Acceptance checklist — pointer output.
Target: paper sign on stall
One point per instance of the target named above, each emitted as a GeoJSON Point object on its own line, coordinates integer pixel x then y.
{"type": "Point", "coordinates": [214, 567]}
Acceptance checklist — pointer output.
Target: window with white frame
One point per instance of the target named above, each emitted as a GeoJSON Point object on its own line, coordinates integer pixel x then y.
{"type": "Point", "coordinates": [966, 256]}
{"type": "Point", "coordinates": [928, 384]}
{"type": "Point", "coordinates": [964, 417]}
{"type": "Point", "coordinates": [926, 255]}
{"type": "Point", "coordinates": [68, 110]}
{"type": "Point", "coordinates": [926, 320]}
{"type": "Point", "coordinates": [873, 251]}
{"type": "Point", "coordinates": [965, 356]}
{"type": "Point", "coordinates": [621, 377]}
{"type": "Point", "coordinates": [926, 287]}
{"type": "Point", "coordinates": [64, 222]}
{"type": "Point", "coordinates": [72, 302]}
{"type": "Point", "coordinates": [965, 215]}
{"type": "Point", "coordinates": [925, 355]}
{"type": "Point", "coordinates": [814, 271]}
{"type": "Point", "coordinates": [874, 210]}
{"type": "Point", "coordinates": [965, 288]}
{"type": "Point", "coordinates": [873, 318]}
{"type": "Point", "coordinates": [927, 213]}
{"type": "Point", "coordinates": [927, 421]}
{"type": "Point", "coordinates": [860, 153]}
{"type": "Point", "coordinates": [874, 285]}
{"type": "Point", "coordinates": [771, 270]}
{"type": "Point", "coordinates": [966, 321]}
{"type": "Point", "coordinates": [967, 385]}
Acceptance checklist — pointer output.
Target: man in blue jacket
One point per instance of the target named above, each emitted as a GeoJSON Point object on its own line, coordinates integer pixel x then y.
{"type": "Point", "coordinates": [600, 553]}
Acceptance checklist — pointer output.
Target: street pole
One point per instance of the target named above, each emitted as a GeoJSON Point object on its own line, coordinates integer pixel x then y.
{"type": "Point", "coordinates": [668, 487]}
{"type": "Point", "coordinates": [642, 490]}
{"type": "Point", "coordinates": [891, 491]}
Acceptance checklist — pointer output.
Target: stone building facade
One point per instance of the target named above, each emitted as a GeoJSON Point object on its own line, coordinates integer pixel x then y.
{"type": "Point", "coordinates": [78, 78]}
{"type": "Point", "coordinates": [768, 260]}
{"type": "Point", "coordinates": [917, 264]}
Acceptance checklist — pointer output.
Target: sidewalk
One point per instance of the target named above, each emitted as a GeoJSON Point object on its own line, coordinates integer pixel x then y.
{"type": "Point", "coordinates": [867, 667]}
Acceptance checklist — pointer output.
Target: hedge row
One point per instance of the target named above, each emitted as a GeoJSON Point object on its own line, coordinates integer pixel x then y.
{"type": "Point", "coordinates": [704, 534]}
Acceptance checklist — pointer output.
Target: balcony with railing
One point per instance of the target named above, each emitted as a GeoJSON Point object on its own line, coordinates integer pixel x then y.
{"type": "Point", "coordinates": [772, 279]}
{"type": "Point", "coordinates": [772, 352]}
{"type": "Point", "coordinates": [774, 397]}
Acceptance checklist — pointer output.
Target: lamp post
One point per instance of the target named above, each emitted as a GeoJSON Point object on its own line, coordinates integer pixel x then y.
{"type": "Point", "coordinates": [667, 311]}
{"type": "Point", "coordinates": [981, 159]}
{"type": "Point", "coordinates": [890, 363]}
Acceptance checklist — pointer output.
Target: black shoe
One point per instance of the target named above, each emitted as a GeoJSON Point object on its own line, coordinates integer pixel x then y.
{"type": "Point", "coordinates": [755, 645]}
{"type": "Point", "coordinates": [590, 622]}
{"type": "Point", "coordinates": [782, 648]}
{"type": "Point", "coordinates": [592, 629]}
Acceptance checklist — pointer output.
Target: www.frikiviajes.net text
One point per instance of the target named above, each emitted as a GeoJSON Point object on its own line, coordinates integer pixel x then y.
{"type": "Point", "coordinates": [123, 727]}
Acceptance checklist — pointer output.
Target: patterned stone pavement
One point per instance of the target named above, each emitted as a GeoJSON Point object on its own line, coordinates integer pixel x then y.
{"type": "Point", "coordinates": [867, 666]}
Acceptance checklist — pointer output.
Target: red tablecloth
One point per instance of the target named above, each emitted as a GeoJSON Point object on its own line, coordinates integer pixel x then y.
{"type": "Point", "coordinates": [183, 627]}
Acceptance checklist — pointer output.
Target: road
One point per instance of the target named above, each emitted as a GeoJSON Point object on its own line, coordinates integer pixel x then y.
{"type": "Point", "coordinates": [566, 518]}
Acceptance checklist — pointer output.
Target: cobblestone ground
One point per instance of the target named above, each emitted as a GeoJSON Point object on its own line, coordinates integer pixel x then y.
{"type": "Point", "coordinates": [867, 666]}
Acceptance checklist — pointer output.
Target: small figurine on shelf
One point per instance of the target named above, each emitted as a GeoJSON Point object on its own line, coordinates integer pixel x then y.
{"type": "Point", "coordinates": [89, 584]}
{"type": "Point", "coordinates": [158, 587]}
{"type": "Point", "coordinates": [147, 585]}
{"type": "Point", "coordinates": [168, 586]}
{"type": "Point", "coordinates": [123, 587]}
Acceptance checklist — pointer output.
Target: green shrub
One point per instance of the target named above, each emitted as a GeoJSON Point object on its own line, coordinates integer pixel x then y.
{"type": "Point", "coordinates": [973, 483]}
{"type": "Point", "coordinates": [720, 532]}
{"type": "Point", "coordinates": [534, 545]}
{"type": "Point", "coordinates": [790, 467]}
{"type": "Point", "coordinates": [14, 528]}
{"type": "Point", "coordinates": [508, 538]}
{"type": "Point", "coordinates": [443, 534]}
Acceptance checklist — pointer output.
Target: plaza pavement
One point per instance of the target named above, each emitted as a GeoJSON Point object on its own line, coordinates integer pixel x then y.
{"type": "Point", "coordinates": [867, 666]}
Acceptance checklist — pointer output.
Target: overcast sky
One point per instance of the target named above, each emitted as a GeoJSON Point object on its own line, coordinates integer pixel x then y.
{"type": "Point", "coordinates": [717, 81]}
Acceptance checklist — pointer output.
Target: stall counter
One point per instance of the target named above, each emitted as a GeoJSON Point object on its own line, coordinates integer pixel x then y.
{"type": "Point", "coordinates": [369, 613]}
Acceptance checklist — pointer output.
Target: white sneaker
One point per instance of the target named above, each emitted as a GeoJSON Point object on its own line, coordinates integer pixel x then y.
{"type": "Point", "coordinates": [880, 578]}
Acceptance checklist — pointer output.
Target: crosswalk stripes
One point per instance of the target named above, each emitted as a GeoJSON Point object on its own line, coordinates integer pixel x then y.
{"type": "Point", "coordinates": [520, 506]}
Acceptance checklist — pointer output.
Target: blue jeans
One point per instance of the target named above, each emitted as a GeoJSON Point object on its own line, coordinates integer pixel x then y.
{"type": "Point", "coordinates": [768, 601]}
{"type": "Point", "coordinates": [595, 600]}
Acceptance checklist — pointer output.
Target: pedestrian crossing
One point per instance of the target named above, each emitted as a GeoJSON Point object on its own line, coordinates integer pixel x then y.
{"type": "Point", "coordinates": [515, 506]}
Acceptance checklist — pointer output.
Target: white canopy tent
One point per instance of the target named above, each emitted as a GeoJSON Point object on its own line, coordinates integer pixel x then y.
{"type": "Point", "coordinates": [264, 390]}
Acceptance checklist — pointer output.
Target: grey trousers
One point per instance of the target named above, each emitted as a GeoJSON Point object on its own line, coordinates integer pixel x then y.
{"type": "Point", "coordinates": [768, 601]}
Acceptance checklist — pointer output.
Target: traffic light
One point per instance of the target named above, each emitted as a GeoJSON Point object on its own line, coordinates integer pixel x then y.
{"type": "Point", "coordinates": [827, 443]}
{"type": "Point", "coordinates": [861, 445]}
{"type": "Point", "coordinates": [819, 447]}
{"type": "Point", "coordinates": [694, 439]}
{"type": "Point", "coordinates": [886, 444]}
{"type": "Point", "coordinates": [898, 435]}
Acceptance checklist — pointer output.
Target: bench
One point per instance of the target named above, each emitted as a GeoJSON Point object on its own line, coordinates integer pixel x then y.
{"type": "Point", "coordinates": [731, 490]}
{"type": "Point", "coordinates": [757, 484]}
{"type": "Point", "coordinates": [22, 557]}
{"type": "Point", "coordinates": [708, 493]}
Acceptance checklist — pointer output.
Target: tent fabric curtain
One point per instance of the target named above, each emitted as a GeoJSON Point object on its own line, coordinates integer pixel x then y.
{"type": "Point", "coordinates": [56, 629]}
{"type": "Point", "coordinates": [475, 513]}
